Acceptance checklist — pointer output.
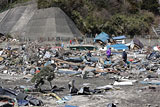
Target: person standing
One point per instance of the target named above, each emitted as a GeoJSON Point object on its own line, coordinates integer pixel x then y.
{"type": "Point", "coordinates": [70, 42]}
{"type": "Point", "coordinates": [89, 54]}
{"type": "Point", "coordinates": [108, 53]}
{"type": "Point", "coordinates": [124, 56]}
{"type": "Point", "coordinates": [62, 45]}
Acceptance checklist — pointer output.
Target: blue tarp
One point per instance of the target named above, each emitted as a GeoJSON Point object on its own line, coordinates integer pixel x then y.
{"type": "Point", "coordinates": [47, 63]}
{"type": "Point", "coordinates": [70, 106]}
{"type": "Point", "coordinates": [118, 46]}
{"type": "Point", "coordinates": [102, 37]}
{"type": "Point", "coordinates": [119, 37]}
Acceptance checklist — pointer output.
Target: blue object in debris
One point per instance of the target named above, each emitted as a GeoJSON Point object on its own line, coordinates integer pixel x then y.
{"type": "Point", "coordinates": [118, 46]}
{"type": "Point", "coordinates": [102, 37]}
{"type": "Point", "coordinates": [107, 62]}
{"type": "Point", "coordinates": [93, 59]}
{"type": "Point", "coordinates": [9, 48]}
{"type": "Point", "coordinates": [23, 102]}
{"type": "Point", "coordinates": [70, 106]}
{"type": "Point", "coordinates": [150, 82]}
{"type": "Point", "coordinates": [119, 37]}
{"type": "Point", "coordinates": [47, 63]}
{"type": "Point", "coordinates": [128, 62]}
{"type": "Point", "coordinates": [74, 59]}
{"type": "Point", "coordinates": [67, 98]}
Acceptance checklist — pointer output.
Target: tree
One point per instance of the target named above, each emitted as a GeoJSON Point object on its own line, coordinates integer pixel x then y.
{"type": "Point", "coordinates": [46, 73]}
{"type": "Point", "coordinates": [128, 24]}
{"type": "Point", "coordinates": [43, 4]}
{"type": "Point", "coordinates": [151, 5]}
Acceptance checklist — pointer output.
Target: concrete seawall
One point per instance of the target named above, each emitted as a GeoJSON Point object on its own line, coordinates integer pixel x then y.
{"type": "Point", "coordinates": [30, 23]}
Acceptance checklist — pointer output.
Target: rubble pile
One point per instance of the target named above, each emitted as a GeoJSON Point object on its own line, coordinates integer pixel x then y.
{"type": "Point", "coordinates": [41, 67]}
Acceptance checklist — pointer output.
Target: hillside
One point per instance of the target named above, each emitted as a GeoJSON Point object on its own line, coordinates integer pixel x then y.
{"type": "Point", "coordinates": [129, 17]}
{"type": "Point", "coordinates": [115, 17]}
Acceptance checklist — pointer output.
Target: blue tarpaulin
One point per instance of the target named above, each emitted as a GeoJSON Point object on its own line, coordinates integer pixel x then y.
{"type": "Point", "coordinates": [118, 46]}
{"type": "Point", "coordinates": [119, 37]}
{"type": "Point", "coordinates": [47, 63]}
{"type": "Point", "coordinates": [70, 106]}
{"type": "Point", "coordinates": [102, 37]}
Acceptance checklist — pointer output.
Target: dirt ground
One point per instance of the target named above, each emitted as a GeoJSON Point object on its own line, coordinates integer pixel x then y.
{"type": "Point", "coordinates": [137, 95]}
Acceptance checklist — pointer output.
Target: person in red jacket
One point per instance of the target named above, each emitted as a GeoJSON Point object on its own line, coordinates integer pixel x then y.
{"type": "Point", "coordinates": [70, 42]}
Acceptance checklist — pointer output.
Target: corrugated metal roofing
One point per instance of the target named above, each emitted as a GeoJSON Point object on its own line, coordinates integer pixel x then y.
{"type": "Point", "coordinates": [102, 37]}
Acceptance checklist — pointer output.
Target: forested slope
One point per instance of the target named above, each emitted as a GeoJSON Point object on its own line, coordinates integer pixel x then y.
{"type": "Point", "coordinates": [129, 17]}
{"type": "Point", "coordinates": [118, 17]}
